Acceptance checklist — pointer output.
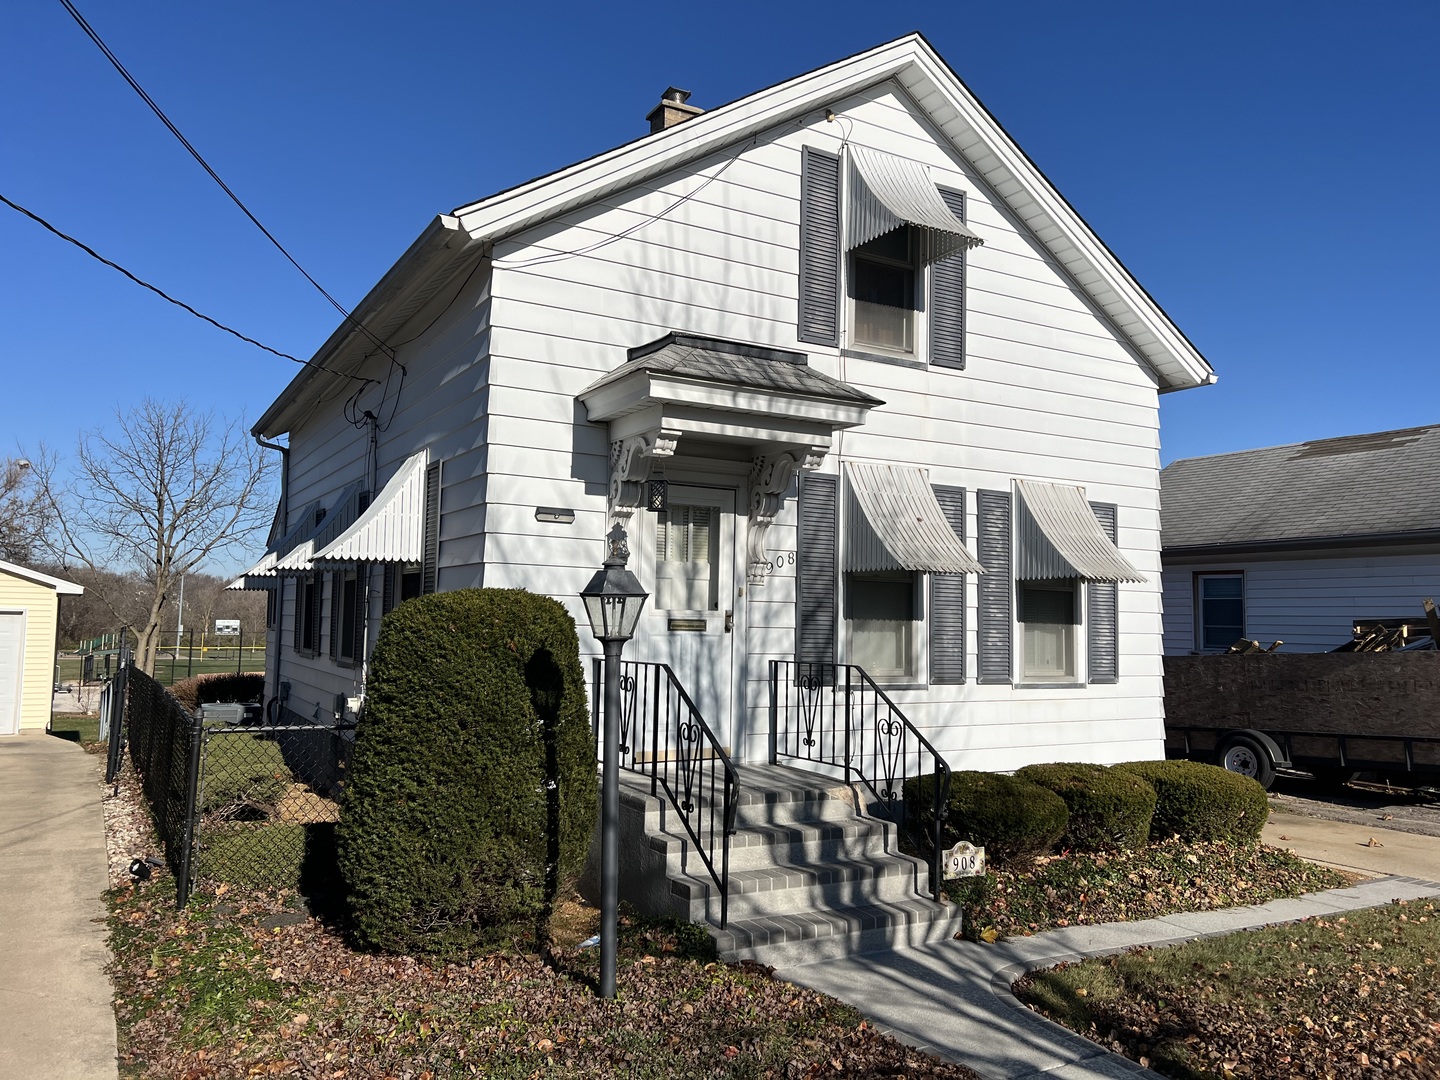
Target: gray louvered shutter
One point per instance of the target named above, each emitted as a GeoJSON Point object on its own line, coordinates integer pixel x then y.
{"type": "Point", "coordinates": [1102, 611]}
{"type": "Point", "coordinates": [947, 299]}
{"type": "Point", "coordinates": [299, 593]}
{"type": "Point", "coordinates": [337, 588]}
{"type": "Point", "coordinates": [362, 611]}
{"type": "Point", "coordinates": [430, 566]}
{"type": "Point", "coordinates": [947, 600]}
{"type": "Point", "coordinates": [819, 247]}
{"type": "Point", "coordinates": [316, 592]}
{"type": "Point", "coordinates": [815, 571]}
{"type": "Point", "coordinates": [387, 593]}
{"type": "Point", "coordinates": [996, 588]}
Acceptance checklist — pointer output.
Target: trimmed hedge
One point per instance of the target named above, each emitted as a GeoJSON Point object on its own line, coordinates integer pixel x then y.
{"type": "Point", "coordinates": [218, 686]}
{"type": "Point", "coordinates": [1109, 810]}
{"type": "Point", "coordinates": [1013, 819]}
{"type": "Point", "coordinates": [472, 793]}
{"type": "Point", "coordinates": [1195, 801]}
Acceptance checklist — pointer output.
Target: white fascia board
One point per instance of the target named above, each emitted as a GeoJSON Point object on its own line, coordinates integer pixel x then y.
{"type": "Point", "coordinates": [975, 134]}
{"type": "Point", "coordinates": [434, 247]}
{"type": "Point", "coordinates": [60, 585]}
{"type": "Point", "coordinates": [1015, 178]}
{"type": "Point", "coordinates": [728, 427]}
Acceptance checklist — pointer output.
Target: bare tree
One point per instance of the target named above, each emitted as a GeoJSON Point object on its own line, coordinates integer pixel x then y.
{"type": "Point", "coordinates": [169, 491]}
{"type": "Point", "coordinates": [24, 511]}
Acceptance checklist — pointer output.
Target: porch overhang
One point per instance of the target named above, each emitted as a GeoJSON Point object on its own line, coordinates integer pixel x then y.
{"type": "Point", "coordinates": [709, 389]}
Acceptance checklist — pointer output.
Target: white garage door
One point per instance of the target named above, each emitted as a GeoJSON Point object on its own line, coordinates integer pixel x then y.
{"type": "Point", "coordinates": [12, 669]}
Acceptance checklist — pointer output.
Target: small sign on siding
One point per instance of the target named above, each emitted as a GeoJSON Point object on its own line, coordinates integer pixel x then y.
{"type": "Point", "coordinates": [963, 860]}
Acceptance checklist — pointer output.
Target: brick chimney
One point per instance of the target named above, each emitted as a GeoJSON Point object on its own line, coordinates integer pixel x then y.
{"type": "Point", "coordinates": [672, 110]}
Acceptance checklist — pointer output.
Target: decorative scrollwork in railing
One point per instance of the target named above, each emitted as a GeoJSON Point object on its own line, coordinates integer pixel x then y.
{"type": "Point", "coordinates": [836, 715]}
{"type": "Point", "coordinates": [684, 759]}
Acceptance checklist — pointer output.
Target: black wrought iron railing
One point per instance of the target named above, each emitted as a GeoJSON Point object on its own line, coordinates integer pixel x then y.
{"type": "Point", "coordinates": [836, 715]}
{"type": "Point", "coordinates": [664, 737]}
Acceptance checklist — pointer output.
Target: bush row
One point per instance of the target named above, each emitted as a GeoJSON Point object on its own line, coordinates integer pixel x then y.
{"type": "Point", "coordinates": [1082, 807]}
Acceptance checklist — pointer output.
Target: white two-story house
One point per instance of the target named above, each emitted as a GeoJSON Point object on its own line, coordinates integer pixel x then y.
{"type": "Point", "coordinates": [897, 400]}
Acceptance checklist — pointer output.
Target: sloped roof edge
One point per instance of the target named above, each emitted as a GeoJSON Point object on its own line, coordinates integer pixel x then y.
{"type": "Point", "coordinates": [60, 585]}
{"type": "Point", "coordinates": [935, 87]}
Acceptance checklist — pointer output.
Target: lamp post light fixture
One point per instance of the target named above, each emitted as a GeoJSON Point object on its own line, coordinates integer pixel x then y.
{"type": "Point", "coordinates": [613, 601]}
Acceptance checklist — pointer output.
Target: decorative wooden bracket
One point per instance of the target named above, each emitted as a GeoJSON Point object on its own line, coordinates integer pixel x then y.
{"type": "Point", "coordinates": [770, 477]}
{"type": "Point", "coordinates": [631, 462]}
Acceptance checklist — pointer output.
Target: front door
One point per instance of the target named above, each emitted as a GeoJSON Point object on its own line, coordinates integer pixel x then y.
{"type": "Point", "coordinates": [687, 562]}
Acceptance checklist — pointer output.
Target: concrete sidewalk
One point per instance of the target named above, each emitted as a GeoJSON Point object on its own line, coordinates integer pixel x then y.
{"type": "Point", "coordinates": [56, 1015]}
{"type": "Point", "coordinates": [953, 998]}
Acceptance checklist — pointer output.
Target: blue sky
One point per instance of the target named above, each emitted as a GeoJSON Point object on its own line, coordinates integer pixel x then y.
{"type": "Point", "coordinates": [1266, 170]}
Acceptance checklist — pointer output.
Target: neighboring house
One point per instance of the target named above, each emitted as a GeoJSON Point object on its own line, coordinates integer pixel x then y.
{"type": "Point", "coordinates": [1301, 543]}
{"type": "Point", "coordinates": [29, 613]}
{"type": "Point", "coordinates": [868, 349]}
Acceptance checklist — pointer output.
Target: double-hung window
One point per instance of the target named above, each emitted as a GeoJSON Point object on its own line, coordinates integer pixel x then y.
{"type": "Point", "coordinates": [882, 619]}
{"type": "Point", "coordinates": [884, 293]}
{"type": "Point", "coordinates": [1049, 644]}
{"type": "Point", "coordinates": [1219, 610]}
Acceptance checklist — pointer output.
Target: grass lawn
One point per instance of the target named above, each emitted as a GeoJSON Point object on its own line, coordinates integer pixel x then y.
{"type": "Point", "coordinates": [246, 985]}
{"type": "Point", "coordinates": [1356, 995]}
{"type": "Point", "coordinates": [76, 727]}
{"type": "Point", "coordinates": [168, 671]}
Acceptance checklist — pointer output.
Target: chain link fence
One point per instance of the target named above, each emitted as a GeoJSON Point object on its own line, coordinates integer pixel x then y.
{"type": "Point", "coordinates": [235, 801]}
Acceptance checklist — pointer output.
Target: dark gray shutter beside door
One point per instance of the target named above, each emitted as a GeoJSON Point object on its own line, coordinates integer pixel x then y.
{"type": "Point", "coordinates": [947, 600]}
{"type": "Point", "coordinates": [1102, 612]}
{"type": "Point", "coordinates": [947, 299]}
{"type": "Point", "coordinates": [995, 586]}
{"type": "Point", "coordinates": [819, 247]}
{"type": "Point", "coordinates": [815, 583]}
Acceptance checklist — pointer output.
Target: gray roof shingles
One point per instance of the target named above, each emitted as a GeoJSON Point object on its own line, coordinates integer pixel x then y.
{"type": "Point", "coordinates": [1358, 485]}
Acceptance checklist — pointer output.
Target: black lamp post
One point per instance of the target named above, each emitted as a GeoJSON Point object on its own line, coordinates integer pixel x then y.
{"type": "Point", "coordinates": [613, 601]}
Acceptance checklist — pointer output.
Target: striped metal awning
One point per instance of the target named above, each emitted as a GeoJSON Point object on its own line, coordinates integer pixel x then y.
{"type": "Point", "coordinates": [887, 192]}
{"type": "Point", "coordinates": [894, 522]}
{"type": "Point", "coordinates": [300, 558]}
{"type": "Point", "coordinates": [392, 528]}
{"type": "Point", "coordinates": [266, 567]}
{"type": "Point", "coordinates": [1057, 536]}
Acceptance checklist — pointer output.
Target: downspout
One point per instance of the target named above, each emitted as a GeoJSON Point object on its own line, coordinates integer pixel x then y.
{"type": "Point", "coordinates": [273, 704]}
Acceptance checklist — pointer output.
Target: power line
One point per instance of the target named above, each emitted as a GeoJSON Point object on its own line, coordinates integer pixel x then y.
{"type": "Point", "coordinates": [114, 60]}
{"type": "Point", "coordinates": [166, 296]}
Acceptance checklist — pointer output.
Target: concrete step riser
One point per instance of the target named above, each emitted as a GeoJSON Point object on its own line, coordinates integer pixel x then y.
{"type": "Point", "coordinates": [799, 845]}
{"type": "Point", "coordinates": [897, 935]}
{"type": "Point", "coordinates": [809, 812]}
{"type": "Point", "coordinates": [899, 883]}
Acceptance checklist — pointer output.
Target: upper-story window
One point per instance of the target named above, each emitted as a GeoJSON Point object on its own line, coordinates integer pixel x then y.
{"type": "Point", "coordinates": [880, 245]}
{"type": "Point", "coordinates": [884, 293]}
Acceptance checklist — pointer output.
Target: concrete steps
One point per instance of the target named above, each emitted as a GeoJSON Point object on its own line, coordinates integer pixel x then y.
{"type": "Point", "coordinates": [812, 874]}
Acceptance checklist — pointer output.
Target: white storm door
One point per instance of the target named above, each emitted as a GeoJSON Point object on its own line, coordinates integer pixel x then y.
{"type": "Point", "coordinates": [12, 669]}
{"type": "Point", "coordinates": [688, 565]}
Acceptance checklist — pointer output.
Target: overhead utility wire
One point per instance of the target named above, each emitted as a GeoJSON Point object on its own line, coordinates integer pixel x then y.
{"type": "Point", "coordinates": [165, 296]}
{"type": "Point", "coordinates": [216, 176]}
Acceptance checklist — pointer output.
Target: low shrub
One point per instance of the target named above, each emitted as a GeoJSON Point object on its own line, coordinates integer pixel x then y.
{"type": "Point", "coordinates": [1109, 810]}
{"type": "Point", "coordinates": [1012, 819]}
{"type": "Point", "coordinates": [1195, 801]}
{"type": "Point", "coordinates": [218, 686]}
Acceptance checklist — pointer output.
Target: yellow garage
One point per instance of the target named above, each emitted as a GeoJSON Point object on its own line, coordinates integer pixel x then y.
{"type": "Point", "coordinates": [29, 606]}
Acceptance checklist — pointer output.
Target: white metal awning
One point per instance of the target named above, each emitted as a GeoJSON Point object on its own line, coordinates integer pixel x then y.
{"type": "Point", "coordinates": [888, 191]}
{"type": "Point", "coordinates": [392, 528]}
{"type": "Point", "coordinates": [894, 522]}
{"type": "Point", "coordinates": [1057, 536]}
{"type": "Point", "coordinates": [300, 558]}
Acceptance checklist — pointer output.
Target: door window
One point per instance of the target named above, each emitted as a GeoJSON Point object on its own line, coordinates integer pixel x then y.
{"type": "Point", "coordinates": [687, 559]}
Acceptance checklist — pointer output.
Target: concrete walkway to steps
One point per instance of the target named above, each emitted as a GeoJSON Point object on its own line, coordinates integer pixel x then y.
{"type": "Point", "coordinates": [56, 1016]}
{"type": "Point", "coordinates": [953, 998]}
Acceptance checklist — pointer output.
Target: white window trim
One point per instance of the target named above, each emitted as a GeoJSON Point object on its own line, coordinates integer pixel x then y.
{"type": "Point", "coordinates": [919, 675]}
{"type": "Point", "coordinates": [1079, 657]}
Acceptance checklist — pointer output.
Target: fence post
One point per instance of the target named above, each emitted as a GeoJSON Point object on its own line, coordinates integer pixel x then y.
{"type": "Point", "coordinates": [189, 654]}
{"type": "Point", "coordinates": [192, 809]}
{"type": "Point", "coordinates": [117, 705]}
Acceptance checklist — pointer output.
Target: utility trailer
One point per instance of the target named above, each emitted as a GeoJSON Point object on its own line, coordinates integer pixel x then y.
{"type": "Point", "coordinates": [1334, 715]}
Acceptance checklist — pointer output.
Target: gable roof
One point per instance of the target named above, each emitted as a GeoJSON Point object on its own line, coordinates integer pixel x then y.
{"type": "Point", "coordinates": [60, 585]}
{"type": "Point", "coordinates": [455, 241]}
{"type": "Point", "coordinates": [1383, 486]}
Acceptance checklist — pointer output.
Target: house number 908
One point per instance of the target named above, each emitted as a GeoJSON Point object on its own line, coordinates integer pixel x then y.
{"type": "Point", "coordinates": [782, 558]}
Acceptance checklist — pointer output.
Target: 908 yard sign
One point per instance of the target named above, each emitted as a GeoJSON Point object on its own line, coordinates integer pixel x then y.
{"type": "Point", "coordinates": [963, 860]}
